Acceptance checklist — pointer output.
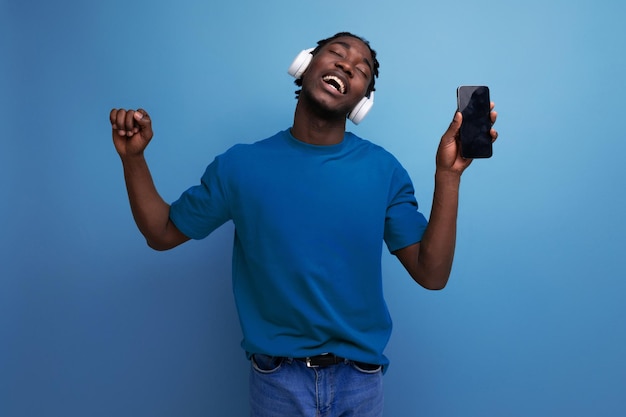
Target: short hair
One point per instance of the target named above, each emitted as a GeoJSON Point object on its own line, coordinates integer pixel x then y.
{"type": "Point", "coordinates": [375, 63]}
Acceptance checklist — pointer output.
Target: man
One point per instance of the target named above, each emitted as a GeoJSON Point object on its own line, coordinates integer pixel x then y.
{"type": "Point", "coordinates": [312, 206]}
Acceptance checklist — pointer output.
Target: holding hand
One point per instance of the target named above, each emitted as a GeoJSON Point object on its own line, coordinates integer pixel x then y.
{"type": "Point", "coordinates": [132, 131]}
{"type": "Point", "coordinates": [449, 153]}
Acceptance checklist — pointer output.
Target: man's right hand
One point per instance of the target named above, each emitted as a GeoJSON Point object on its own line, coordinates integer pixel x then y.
{"type": "Point", "coordinates": [132, 131]}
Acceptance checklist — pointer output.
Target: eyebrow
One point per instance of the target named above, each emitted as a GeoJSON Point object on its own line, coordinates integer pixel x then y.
{"type": "Point", "coordinates": [348, 46]}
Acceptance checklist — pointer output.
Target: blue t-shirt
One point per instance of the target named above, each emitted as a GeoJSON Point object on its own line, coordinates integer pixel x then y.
{"type": "Point", "coordinates": [310, 222]}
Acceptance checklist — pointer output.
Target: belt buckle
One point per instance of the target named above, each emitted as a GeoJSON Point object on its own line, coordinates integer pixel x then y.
{"type": "Point", "coordinates": [310, 364]}
{"type": "Point", "coordinates": [325, 359]}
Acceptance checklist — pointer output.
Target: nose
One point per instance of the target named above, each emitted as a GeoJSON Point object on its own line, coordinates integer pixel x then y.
{"type": "Point", "coordinates": [345, 67]}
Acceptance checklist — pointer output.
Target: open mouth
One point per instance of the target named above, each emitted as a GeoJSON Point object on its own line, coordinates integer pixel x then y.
{"type": "Point", "coordinates": [335, 82]}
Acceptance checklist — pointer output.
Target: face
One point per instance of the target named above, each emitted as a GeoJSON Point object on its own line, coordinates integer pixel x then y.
{"type": "Point", "coordinates": [339, 75]}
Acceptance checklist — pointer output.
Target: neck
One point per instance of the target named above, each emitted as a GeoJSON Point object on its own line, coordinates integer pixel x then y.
{"type": "Point", "coordinates": [317, 129]}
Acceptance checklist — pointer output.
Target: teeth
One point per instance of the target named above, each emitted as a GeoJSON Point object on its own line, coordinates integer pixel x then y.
{"type": "Point", "coordinates": [335, 82]}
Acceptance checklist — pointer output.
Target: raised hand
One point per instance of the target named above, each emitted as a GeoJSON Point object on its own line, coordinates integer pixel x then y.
{"type": "Point", "coordinates": [132, 131]}
{"type": "Point", "coordinates": [449, 153]}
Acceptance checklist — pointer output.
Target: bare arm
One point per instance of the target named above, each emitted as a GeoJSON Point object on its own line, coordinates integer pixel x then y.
{"type": "Point", "coordinates": [132, 131]}
{"type": "Point", "coordinates": [430, 262]}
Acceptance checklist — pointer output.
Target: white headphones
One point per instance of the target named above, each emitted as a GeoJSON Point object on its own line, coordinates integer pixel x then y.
{"type": "Point", "coordinates": [300, 64]}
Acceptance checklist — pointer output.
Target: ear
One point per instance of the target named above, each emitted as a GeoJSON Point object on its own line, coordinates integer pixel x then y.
{"type": "Point", "coordinates": [300, 64]}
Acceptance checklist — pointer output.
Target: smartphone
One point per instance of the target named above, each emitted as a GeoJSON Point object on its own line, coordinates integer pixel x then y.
{"type": "Point", "coordinates": [474, 103]}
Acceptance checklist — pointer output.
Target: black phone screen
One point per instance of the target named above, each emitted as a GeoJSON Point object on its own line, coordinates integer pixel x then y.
{"type": "Point", "coordinates": [474, 103]}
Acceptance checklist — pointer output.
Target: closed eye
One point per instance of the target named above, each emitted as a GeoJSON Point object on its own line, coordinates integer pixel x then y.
{"type": "Point", "coordinates": [364, 72]}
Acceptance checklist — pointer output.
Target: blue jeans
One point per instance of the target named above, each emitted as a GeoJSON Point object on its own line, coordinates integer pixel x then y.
{"type": "Point", "coordinates": [284, 387]}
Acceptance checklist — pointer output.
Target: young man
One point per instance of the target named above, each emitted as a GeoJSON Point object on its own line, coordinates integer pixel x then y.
{"type": "Point", "coordinates": [312, 206]}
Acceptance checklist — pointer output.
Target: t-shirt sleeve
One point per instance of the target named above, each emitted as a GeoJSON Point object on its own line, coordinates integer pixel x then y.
{"type": "Point", "coordinates": [202, 208]}
{"type": "Point", "coordinates": [404, 224]}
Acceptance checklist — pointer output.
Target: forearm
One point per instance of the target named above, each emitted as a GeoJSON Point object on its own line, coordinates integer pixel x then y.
{"type": "Point", "coordinates": [430, 261]}
{"type": "Point", "coordinates": [150, 211]}
{"type": "Point", "coordinates": [438, 243]}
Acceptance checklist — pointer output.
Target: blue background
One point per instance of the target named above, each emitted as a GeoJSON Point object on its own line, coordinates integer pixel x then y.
{"type": "Point", "coordinates": [94, 323]}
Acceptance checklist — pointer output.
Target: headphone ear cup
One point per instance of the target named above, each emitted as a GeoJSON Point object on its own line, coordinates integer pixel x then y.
{"type": "Point", "coordinates": [361, 109]}
{"type": "Point", "coordinates": [300, 64]}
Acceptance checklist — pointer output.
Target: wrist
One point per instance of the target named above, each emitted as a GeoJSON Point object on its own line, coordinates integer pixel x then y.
{"type": "Point", "coordinates": [133, 163]}
{"type": "Point", "coordinates": [132, 158]}
{"type": "Point", "coordinates": [446, 177]}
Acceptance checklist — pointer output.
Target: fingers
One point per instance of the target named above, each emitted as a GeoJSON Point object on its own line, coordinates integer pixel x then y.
{"type": "Point", "coordinates": [122, 121]}
{"type": "Point", "coordinates": [113, 119]}
{"type": "Point", "coordinates": [494, 116]}
{"type": "Point", "coordinates": [129, 122]}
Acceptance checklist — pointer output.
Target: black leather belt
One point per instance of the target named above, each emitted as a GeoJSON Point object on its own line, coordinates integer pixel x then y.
{"type": "Point", "coordinates": [325, 359]}
{"type": "Point", "coordinates": [328, 359]}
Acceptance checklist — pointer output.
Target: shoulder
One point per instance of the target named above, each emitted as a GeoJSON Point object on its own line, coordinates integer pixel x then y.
{"type": "Point", "coordinates": [248, 150]}
{"type": "Point", "coordinates": [372, 150]}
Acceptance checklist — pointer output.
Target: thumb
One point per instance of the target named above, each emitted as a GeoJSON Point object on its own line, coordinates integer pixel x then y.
{"type": "Point", "coordinates": [452, 133]}
{"type": "Point", "coordinates": [145, 124]}
{"type": "Point", "coordinates": [142, 118]}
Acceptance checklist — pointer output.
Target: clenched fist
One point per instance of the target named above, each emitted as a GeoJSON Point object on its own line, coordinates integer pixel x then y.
{"type": "Point", "coordinates": [132, 131]}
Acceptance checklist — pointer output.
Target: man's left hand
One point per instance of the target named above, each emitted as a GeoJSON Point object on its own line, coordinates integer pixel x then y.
{"type": "Point", "coordinates": [449, 153]}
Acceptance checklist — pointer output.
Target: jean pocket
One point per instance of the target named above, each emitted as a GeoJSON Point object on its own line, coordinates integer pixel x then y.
{"type": "Point", "coordinates": [366, 368]}
{"type": "Point", "coordinates": [266, 364]}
